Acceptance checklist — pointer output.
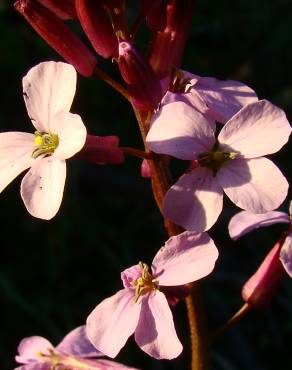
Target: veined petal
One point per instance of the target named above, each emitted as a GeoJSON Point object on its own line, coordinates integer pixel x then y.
{"type": "Point", "coordinates": [112, 322]}
{"type": "Point", "coordinates": [258, 129]}
{"type": "Point", "coordinates": [256, 185]}
{"type": "Point", "coordinates": [194, 201]}
{"type": "Point", "coordinates": [222, 98]}
{"type": "Point", "coordinates": [15, 155]}
{"type": "Point", "coordinates": [244, 222]}
{"type": "Point", "coordinates": [155, 333]}
{"type": "Point", "coordinates": [71, 134]}
{"type": "Point", "coordinates": [286, 254]}
{"type": "Point", "coordinates": [102, 364]}
{"type": "Point", "coordinates": [185, 258]}
{"type": "Point", "coordinates": [48, 89]}
{"type": "Point", "coordinates": [181, 131]}
{"type": "Point", "coordinates": [30, 348]}
{"type": "Point", "coordinates": [42, 187]}
{"type": "Point", "coordinates": [77, 344]}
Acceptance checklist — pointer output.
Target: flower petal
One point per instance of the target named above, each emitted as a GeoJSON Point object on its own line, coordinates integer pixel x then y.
{"type": "Point", "coordinates": [222, 98]}
{"type": "Point", "coordinates": [256, 185]}
{"type": "Point", "coordinates": [42, 187]}
{"type": "Point", "coordinates": [29, 349]}
{"type": "Point", "coordinates": [155, 333]}
{"type": "Point", "coordinates": [185, 258]}
{"type": "Point", "coordinates": [257, 129]}
{"type": "Point", "coordinates": [71, 134]}
{"type": "Point", "coordinates": [48, 89]}
{"type": "Point", "coordinates": [194, 201]}
{"type": "Point", "coordinates": [112, 322]}
{"type": "Point", "coordinates": [244, 222]}
{"type": "Point", "coordinates": [77, 344]}
{"type": "Point", "coordinates": [286, 254]}
{"type": "Point", "coordinates": [181, 131]}
{"type": "Point", "coordinates": [15, 155]}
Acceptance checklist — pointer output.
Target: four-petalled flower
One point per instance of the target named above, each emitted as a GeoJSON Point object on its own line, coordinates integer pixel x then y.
{"type": "Point", "coordinates": [141, 307]}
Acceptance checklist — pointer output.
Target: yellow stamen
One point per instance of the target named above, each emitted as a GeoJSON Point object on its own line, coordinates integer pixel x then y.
{"type": "Point", "coordinates": [146, 283]}
{"type": "Point", "coordinates": [45, 144]}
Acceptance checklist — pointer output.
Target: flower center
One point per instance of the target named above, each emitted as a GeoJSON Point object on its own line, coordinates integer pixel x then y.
{"type": "Point", "coordinates": [45, 144]}
{"type": "Point", "coordinates": [215, 159]}
{"type": "Point", "coordinates": [146, 283]}
{"type": "Point", "coordinates": [179, 82]}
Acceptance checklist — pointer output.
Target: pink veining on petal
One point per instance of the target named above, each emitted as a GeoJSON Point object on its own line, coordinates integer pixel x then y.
{"type": "Point", "coordinates": [130, 275]}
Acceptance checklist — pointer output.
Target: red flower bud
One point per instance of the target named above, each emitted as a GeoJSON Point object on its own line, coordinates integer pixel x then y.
{"type": "Point", "coordinates": [59, 36]}
{"type": "Point", "coordinates": [101, 150]}
{"type": "Point", "coordinates": [168, 45]}
{"type": "Point", "coordinates": [260, 288]}
{"type": "Point", "coordinates": [143, 84]}
{"type": "Point", "coordinates": [96, 23]}
{"type": "Point", "coordinates": [63, 9]}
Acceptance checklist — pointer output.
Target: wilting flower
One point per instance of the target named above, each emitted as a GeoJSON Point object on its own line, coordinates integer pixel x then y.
{"type": "Point", "coordinates": [48, 90]}
{"type": "Point", "coordinates": [244, 222]}
{"type": "Point", "coordinates": [216, 99]}
{"type": "Point", "coordinates": [72, 353]}
{"type": "Point", "coordinates": [233, 163]}
{"type": "Point", "coordinates": [141, 307]}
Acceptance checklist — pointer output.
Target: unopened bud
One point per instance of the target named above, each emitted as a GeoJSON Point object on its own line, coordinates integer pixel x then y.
{"type": "Point", "coordinates": [169, 44]}
{"type": "Point", "coordinates": [260, 288]}
{"type": "Point", "coordinates": [96, 23]}
{"type": "Point", "coordinates": [143, 84]}
{"type": "Point", "coordinates": [58, 35]}
{"type": "Point", "coordinates": [63, 9]}
{"type": "Point", "coordinates": [101, 150]}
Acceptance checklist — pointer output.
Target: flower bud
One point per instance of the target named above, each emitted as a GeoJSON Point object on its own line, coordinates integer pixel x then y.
{"type": "Point", "coordinates": [143, 84]}
{"type": "Point", "coordinates": [260, 288]}
{"type": "Point", "coordinates": [58, 35]}
{"type": "Point", "coordinates": [96, 23]}
{"type": "Point", "coordinates": [168, 45]}
{"type": "Point", "coordinates": [101, 150]}
{"type": "Point", "coordinates": [155, 13]}
{"type": "Point", "coordinates": [63, 9]}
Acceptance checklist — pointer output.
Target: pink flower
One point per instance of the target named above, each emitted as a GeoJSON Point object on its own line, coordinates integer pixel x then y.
{"type": "Point", "coordinates": [48, 91]}
{"type": "Point", "coordinates": [141, 307]}
{"type": "Point", "coordinates": [74, 352]}
{"type": "Point", "coordinates": [233, 163]}
{"type": "Point", "coordinates": [215, 99]}
{"type": "Point", "coordinates": [244, 222]}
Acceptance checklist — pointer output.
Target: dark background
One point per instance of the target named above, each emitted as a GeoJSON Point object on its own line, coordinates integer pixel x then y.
{"type": "Point", "coordinates": [52, 274]}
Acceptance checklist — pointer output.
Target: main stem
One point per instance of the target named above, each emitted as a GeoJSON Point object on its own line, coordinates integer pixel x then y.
{"type": "Point", "coordinates": [161, 182]}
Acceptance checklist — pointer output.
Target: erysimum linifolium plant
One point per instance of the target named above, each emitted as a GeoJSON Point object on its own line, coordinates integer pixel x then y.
{"type": "Point", "coordinates": [220, 129]}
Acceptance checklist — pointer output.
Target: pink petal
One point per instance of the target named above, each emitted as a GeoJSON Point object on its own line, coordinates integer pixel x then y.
{"type": "Point", "coordinates": [258, 129]}
{"type": "Point", "coordinates": [194, 201]}
{"type": "Point", "coordinates": [222, 98]}
{"type": "Point", "coordinates": [112, 322]}
{"type": "Point", "coordinates": [77, 344]}
{"type": "Point", "coordinates": [71, 133]}
{"type": "Point", "coordinates": [286, 254]}
{"type": "Point", "coordinates": [181, 131]}
{"type": "Point", "coordinates": [42, 187]}
{"type": "Point", "coordinates": [102, 364]}
{"type": "Point", "coordinates": [48, 89]}
{"type": "Point", "coordinates": [15, 155]}
{"type": "Point", "coordinates": [30, 348]}
{"type": "Point", "coordinates": [256, 185]}
{"type": "Point", "coordinates": [145, 169]}
{"type": "Point", "coordinates": [185, 258]}
{"type": "Point", "coordinates": [244, 222]}
{"type": "Point", "coordinates": [155, 333]}
{"type": "Point", "coordinates": [130, 275]}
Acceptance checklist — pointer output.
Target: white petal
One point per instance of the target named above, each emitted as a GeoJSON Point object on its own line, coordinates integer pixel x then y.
{"type": "Point", "coordinates": [244, 222]}
{"type": "Point", "coordinates": [258, 129]}
{"type": "Point", "coordinates": [256, 185]}
{"type": "Point", "coordinates": [155, 333]}
{"type": "Point", "coordinates": [48, 89]}
{"type": "Point", "coordinates": [15, 155]}
{"type": "Point", "coordinates": [42, 187]}
{"type": "Point", "coordinates": [71, 134]}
